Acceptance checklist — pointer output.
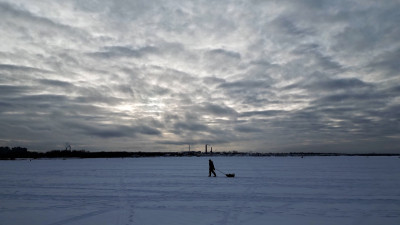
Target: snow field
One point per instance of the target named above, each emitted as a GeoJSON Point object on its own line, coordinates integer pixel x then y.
{"type": "Point", "coordinates": [167, 190]}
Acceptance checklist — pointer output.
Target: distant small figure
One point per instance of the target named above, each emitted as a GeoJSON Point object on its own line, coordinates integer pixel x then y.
{"type": "Point", "coordinates": [211, 168]}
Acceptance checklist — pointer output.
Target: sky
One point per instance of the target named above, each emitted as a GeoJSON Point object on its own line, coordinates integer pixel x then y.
{"type": "Point", "coordinates": [260, 76]}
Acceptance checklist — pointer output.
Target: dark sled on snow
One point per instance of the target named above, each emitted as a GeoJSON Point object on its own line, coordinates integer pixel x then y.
{"type": "Point", "coordinates": [226, 174]}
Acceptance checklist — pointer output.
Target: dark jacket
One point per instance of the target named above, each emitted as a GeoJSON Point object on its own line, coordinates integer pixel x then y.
{"type": "Point", "coordinates": [211, 165]}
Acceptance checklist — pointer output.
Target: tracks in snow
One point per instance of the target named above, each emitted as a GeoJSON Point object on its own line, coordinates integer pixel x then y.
{"type": "Point", "coordinates": [126, 206]}
{"type": "Point", "coordinates": [82, 216]}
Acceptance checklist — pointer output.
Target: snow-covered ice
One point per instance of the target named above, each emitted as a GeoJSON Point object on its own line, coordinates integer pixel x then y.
{"type": "Point", "coordinates": [166, 190]}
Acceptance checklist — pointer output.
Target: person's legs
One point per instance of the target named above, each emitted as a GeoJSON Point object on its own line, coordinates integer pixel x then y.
{"type": "Point", "coordinates": [209, 173]}
{"type": "Point", "coordinates": [214, 173]}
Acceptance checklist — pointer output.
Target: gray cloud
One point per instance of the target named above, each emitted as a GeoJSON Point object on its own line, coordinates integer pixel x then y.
{"type": "Point", "coordinates": [223, 54]}
{"type": "Point", "coordinates": [286, 26]}
{"type": "Point", "coordinates": [190, 126]}
{"type": "Point", "coordinates": [247, 129]}
{"type": "Point", "coordinates": [387, 63]}
{"type": "Point", "coordinates": [263, 113]}
{"type": "Point", "coordinates": [113, 131]}
{"type": "Point", "coordinates": [12, 90]}
{"type": "Point", "coordinates": [124, 51]}
{"type": "Point", "coordinates": [325, 84]}
{"type": "Point", "coordinates": [56, 83]}
{"type": "Point", "coordinates": [32, 27]}
{"type": "Point", "coordinates": [217, 109]}
{"type": "Point", "coordinates": [17, 68]}
{"type": "Point", "coordinates": [153, 75]}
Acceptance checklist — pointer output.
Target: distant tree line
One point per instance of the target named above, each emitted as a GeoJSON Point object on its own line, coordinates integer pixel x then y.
{"type": "Point", "coordinates": [7, 153]}
{"type": "Point", "coordinates": [16, 152]}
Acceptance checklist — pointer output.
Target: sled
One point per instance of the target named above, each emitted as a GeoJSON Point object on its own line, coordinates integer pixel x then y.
{"type": "Point", "coordinates": [227, 174]}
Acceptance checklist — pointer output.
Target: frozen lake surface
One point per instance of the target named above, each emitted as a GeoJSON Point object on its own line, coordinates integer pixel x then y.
{"type": "Point", "coordinates": [143, 191]}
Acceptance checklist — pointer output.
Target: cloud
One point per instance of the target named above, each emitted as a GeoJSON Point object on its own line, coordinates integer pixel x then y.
{"type": "Point", "coordinates": [12, 90]}
{"type": "Point", "coordinates": [17, 68]}
{"type": "Point", "coordinates": [56, 83]}
{"type": "Point", "coordinates": [287, 27]}
{"type": "Point", "coordinates": [213, 80]}
{"type": "Point", "coordinates": [244, 85]}
{"type": "Point", "coordinates": [124, 51]}
{"type": "Point", "coordinates": [113, 131]}
{"type": "Point", "coordinates": [263, 113]}
{"type": "Point", "coordinates": [190, 126]}
{"type": "Point", "coordinates": [215, 109]}
{"type": "Point", "coordinates": [326, 84]}
{"type": "Point", "coordinates": [247, 129]}
{"type": "Point", "coordinates": [31, 27]}
{"type": "Point", "coordinates": [386, 63]}
{"type": "Point", "coordinates": [222, 54]}
{"type": "Point", "coordinates": [253, 76]}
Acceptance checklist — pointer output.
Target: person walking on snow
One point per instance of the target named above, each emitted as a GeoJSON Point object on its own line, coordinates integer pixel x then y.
{"type": "Point", "coordinates": [211, 168]}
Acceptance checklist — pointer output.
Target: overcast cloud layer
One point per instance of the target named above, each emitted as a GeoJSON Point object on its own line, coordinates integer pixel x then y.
{"type": "Point", "coordinates": [261, 76]}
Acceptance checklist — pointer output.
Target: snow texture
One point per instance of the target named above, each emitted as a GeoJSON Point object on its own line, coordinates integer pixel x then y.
{"type": "Point", "coordinates": [144, 191]}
